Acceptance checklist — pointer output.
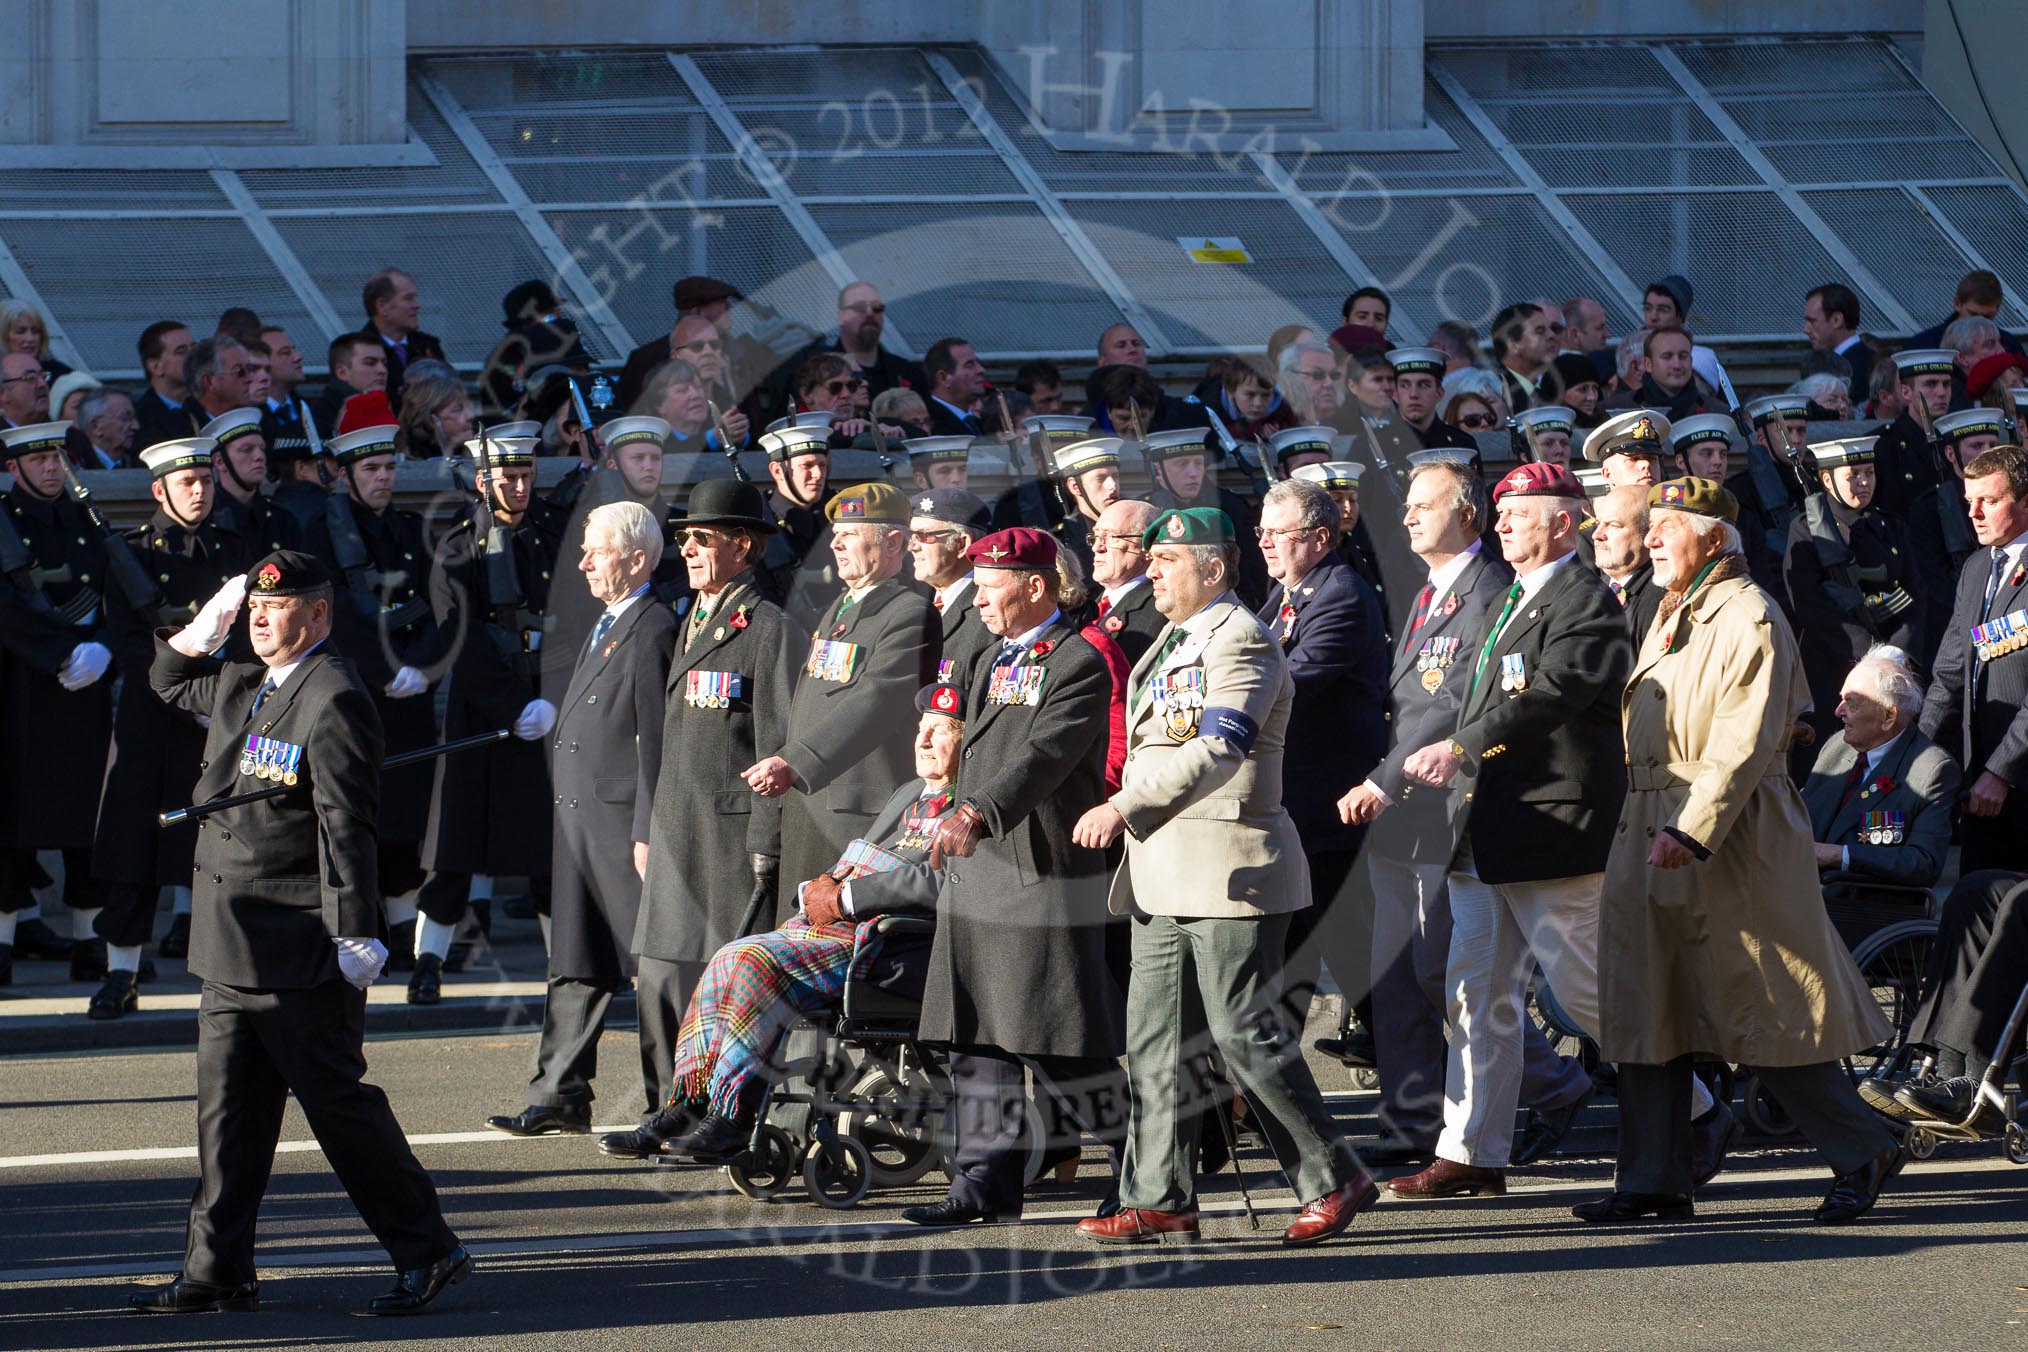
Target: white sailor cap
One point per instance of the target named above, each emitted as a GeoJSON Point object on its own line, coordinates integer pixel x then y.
{"type": "Point", "coordinates": [1092, 453]}
{"type": "Point", "coordinates": [1418, 360]}
{"type": "Point", "coordinates": [494, 451]}
{"type": "Point", "coordinates": [1548, 418]}
{"type": "Point", "coordinates": [817, 417]}
{"type": "Point", "coordinates": [786, 442]}
{"type": "Point", "coordinates": [1700, 427]}
{"type": "Point", "coordinates": [357, 445]}
{"type": "Point", "coordinates": [1339, 474]}
{"type": "Point", "coordinates": [1061, 429]}
{"type": "Point", "coordinates": [939, 450]}
{"type": "Point", "coordinates": [32, 437]}
{"type": "Point", "coordinates": [1157, 447]}
{"type": "Point", "coordinates": [230, 426]}
{"type": "Point", "coordinates": [1925, 361]}
{"type": "Point", "coordinates": [639, 427]}
{"type": "Point", "coordinates": [1788, 407]}
{"type": "Point", "coordinates": [166, 457]}
{"type": "Point", "coordinates": [1298, 440]}
{"type": "Point", "coordinates": [1952, 428]}
{"type": "Point", "coordinates": [1823, 455]}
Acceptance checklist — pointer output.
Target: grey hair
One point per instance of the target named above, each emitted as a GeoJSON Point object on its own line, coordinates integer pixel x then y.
{"type": "Point", "coordinates": [1295, 352]}
{"type": "Point", "coordinates": [1818, 386]}
{"type": "Point", "coordinates": [94, 403]}
{"type": "Point", "coordinates": [1472, 380]}
{"type": "Point", "coordinates": [1633, 346]}
{"type": "Point", "coordinates": [632, 526]}
{"type": "Point", "coordinates": [1728, 534]}
{"type": "Point", "coordinates": [1964, 333]}
{"type": "Point", "coordinates": [1467, 494]}
{"type": "Point", "coordinates": [1314, 506]}
{"type": "Point", "coordinates": [1071, 588]}
{"type": "Point", "coordinates": [1893, 678]}
{"type": "Point", "coordinates": [205, 359]}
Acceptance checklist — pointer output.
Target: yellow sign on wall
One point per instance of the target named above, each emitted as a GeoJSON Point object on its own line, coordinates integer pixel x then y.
{"type": "Point", "coordinates": [1214, 248]}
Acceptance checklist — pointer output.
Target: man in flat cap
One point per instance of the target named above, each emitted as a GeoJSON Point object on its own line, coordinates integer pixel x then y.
{"type": "Point", "coordinates": [1713, 940]}
{"type": "Point", "coordinates": [287, 936]}
{"type": "Point", "coordinates": [1213, 869]}
{"type": "Point", "coordinates": [943, 525]}
{"type": "Point", "coordinates": [845, 746]}
{"type": "Point", "coordinates": [490, 809]}
{"type": "Point", "coordinates": [1018, 972]}
{"type": "Point", "coordinates": [156, 749]}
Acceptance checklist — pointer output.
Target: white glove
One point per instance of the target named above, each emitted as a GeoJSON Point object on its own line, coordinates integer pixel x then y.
{"type": "Point", "coordinates": [361, 960]}
{"type": "Point", "coordinates": [88, 662]}
{"type": "Point", "coordinates": [538, 716]}
{"type": "Point", "coordinates": [209, 627]}
{"type": "Point", "coordinates": [203, 720]}
{"type": "Point", "coordinates": [408, 681]}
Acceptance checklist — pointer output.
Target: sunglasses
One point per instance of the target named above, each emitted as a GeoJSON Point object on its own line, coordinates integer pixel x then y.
{"type": "Point", "coordinates": [930, 537]}
{"type": "Point", "coordinates": [837, 387]}
{"type": "Point", "coordinates": [1475, 422]}
{"type": "Point", "coordinates": [697, 535]}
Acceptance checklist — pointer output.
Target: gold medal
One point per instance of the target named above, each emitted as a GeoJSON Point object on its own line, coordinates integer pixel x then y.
{"type": "Point", "coordinates": [289, 777]}
{"type": "Point", "coordinates": [1432, 680]}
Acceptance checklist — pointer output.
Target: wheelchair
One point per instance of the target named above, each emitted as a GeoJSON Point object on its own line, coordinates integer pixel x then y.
{"type": "Point", "coordinates": [857, 1101]}
{"type": "Point", "coordinates": [1998, 1091]}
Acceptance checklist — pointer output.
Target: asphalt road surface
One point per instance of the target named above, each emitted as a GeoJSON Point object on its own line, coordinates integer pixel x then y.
{"type": "Point", "coordinates": [97, 1162]}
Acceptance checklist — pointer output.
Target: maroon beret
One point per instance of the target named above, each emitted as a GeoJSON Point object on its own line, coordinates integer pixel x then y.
{"type": "Point", "coordinates": [1538, 479]}
{"type": "Point", "coordinates": [1358, 338]}
{"type": "Point", "coordinates": [1020, 547]}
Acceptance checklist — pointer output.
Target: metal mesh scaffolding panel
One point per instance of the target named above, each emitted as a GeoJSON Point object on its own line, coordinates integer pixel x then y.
{"type": "Point", "coordinates": [1743, 252]}
{"type": "Point", "coordinates": [462, 264]}
{"type": "Point", "coordinates": [995, 273]}
{"type": "Point", "coordinates": [671, 155]}
{"type": "Point", "coordinates": [1901, 246]}
{"type": "Point", "coordinates": [98, 190]}
{"type": "Point", "coordinates": [902, 149]}
{"type": "Point", "coordinates": [138, 271]}
{"type": "Point", "coordinates": [1855, 70]}
{"type": "Point", "coordinates": [1474, 164]}
{"type": "Point", "coordinates": [1289, 278]}
{"type": "Point", "coordinates": [453, 179]}
{"type": "Point", "coordinates": [1465, 257]}
{"type": "Point", "coordinates": [633, 255]}
{"type": "Point", "coordinates": [1995, 222]}
{"type": "Point", "coordinates": [587, 82]}
{"type": "Point", "coordinates": [778, 78]}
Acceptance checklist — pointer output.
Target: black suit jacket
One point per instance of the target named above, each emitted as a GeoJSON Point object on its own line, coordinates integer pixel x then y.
{"type": "Point", "coordinates": [1976, 708]}
{"type": "Point", "coordinates": [1418, 827]}
{"type": "Point", "coordinates": [421, 347]}
{"type": "Point", "coordinates": [1135, 623]}
{"type": "Point", "coordinates": [1545, 768]}
{"type": "Point", "coordinates": [965, 637]}
{"type": "Point", "coordinates": [159, 420]}
{"type": "Point", "coordinates": [278, 880]}
{"type": "Point", "coordinates": [1336, 648]}
{"type": "Point", "coordinates": [1643, 598]}
{"type": "Point", "coordinates": [946, 423]}
{"type": "Point", "coordinates": [605, 760]}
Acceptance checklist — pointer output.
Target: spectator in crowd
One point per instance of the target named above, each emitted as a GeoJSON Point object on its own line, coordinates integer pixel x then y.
{"type": "Point", "coordinates": [1669, 385]}
{"type": "Point", "coordinates": [394, 319]}
{"type": "Point", "coordinates": [163, 346]}
{"type": "Point", "coordinates": [862, 320]}
{"type": "Point", "coordinates": [1249, 402]}
{"type": "Point", "coordinates": [1309, 381]}
{"type": "Point", "coordinates": [675, 393]}
{"type": "Point", "coordinates": [358, 364]}
{"type": "Point", "coordinates": [1368, 306]}
{"type": "Point", "coordinates": [66, 392]}
{"type": "Point", "coordinates": [282, 415]}
{"type": "Point", "coordinates": [1583, 391]}
{"type": "Point", "coordinates": [1369, 381]}
{"type": "Point", "coordinates": [435, 418]}
{"type": "Point", "coordinates": [1831, 324]}
{"type": "Point", "coordinates": [905, 409]}
{"type": "Point", "coordinates": [1459, 342]}
{"type": "Point", "coordinates": [538, 334]}
{"type": "Point", "coordinates": [24, 390]}
{"type": "Point", "coordinates": [1587, 333]}
{"type": "Point", "coordinates": [1973, 338]}
{"type": "Point", "coordinates": [25, 330]}
{"type": "Point", "coordinates": [1524, 345]}
{"type": "Point", "coordinates": [239, 322]}
{"type": "Point", "coordinates": [1978, 293]}
{"type": "Point", "coordinates": [1883, 392]}
{"type": "Point", "coordinates": [1042, 382]}
{"type": "Point", "coordinates": [1829, 395]}
{"type": "Point", "coordinates": [828, 383]}
{"type": "Point", "coordinates": [217, 372]}
{"type": "Point", "coordinates": [1993, 379]}
{"type": "Point", "coordinates": [107, 418]}
{"type": "Point", "coordinates": [957, 380]}
{"type": "Point", "coordinates": [704, 298]}
{"type": "Point", "coordinates": [1279, 341]}
{"type": "Point", "coordinates": [1122, 345]}
{"type": "Point", "coordinates": [1472, 402]}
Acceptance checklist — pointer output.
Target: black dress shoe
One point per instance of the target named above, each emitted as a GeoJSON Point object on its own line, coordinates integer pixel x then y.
{"type": "Point", "coordinates": [1621, 1207]}
{"type": "Point", "coordinates": [6, 964]}
{"type": "Point", "coordinates": [176, 941]}
{"type": "Point", "coordinates": [118, 996]}
{"type": "Point", "coordinates": [426, 982]}
{"type": "Point", "coordinates": [184, 1296]}
{"type": "Point", "coordinates": [1546, 1129]}
{"type": "Point", "coordinates": [1712, 1137]}
{"type": "Point", "coordinates": [33, 938]}
{"type": "Point", "coordinates": [1356, 1050]}
{"type": "Point", "coordinates": [572, 1119]}
{"type": "Point", "coordinates": [1854, 1194]}
{"type": "Point", "coordinates": [1940, 1100]}
{"type": "Point", "coordinates": [1391, 1149]}
{"type": "Point", "coordinates": [417, 1287]}
{"type": "Point", "coordinates": [950, 1211]}
{"type": "Point", "coordinates": [715, 1139]}
{"type": "Point", "coordinates": [87, 959]}
{"type": "Point", "coordinates": [647, 1140]}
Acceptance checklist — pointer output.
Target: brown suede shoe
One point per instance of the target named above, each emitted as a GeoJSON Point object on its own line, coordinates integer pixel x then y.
{"type": "Point", "coordinates": [1448, 1179]}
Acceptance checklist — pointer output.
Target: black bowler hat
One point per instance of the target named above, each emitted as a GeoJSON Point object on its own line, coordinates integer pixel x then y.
{"type": "Point", "coordinates": [728, 502]}
{"type": "Point", "coordinates": [287, 572]}
{"type": "Point", "coordinates": [527, 303]}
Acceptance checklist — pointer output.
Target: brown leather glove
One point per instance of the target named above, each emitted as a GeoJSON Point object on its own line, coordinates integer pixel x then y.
{"type": "Point", "coordinates": [958, 836]}
{"type": "Point", "coordinates": [821, 904]}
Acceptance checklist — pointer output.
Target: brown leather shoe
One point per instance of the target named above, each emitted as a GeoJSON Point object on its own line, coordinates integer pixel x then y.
{"type": "Point", "coordinates": [1446, 1178]}
{"type": "Point", "coordinates": [1130, 1225]}
{"type": "Point", "coordinates": [1332, 1212]}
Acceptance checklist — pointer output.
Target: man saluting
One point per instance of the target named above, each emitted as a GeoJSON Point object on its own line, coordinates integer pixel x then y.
{"type": "Point", "coordinates": [286, 959]}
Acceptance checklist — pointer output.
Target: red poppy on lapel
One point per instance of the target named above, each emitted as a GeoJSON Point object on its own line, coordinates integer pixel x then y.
{"type": "Point", "coordinates": [1042, 648]}
{"type": "Point", "coordinates": [1114, 624]}
{"type": "Point", "coordinates": [738, 620]}
{"type": "Point", "coordinates": [2020, 571]}
{"type": "Point", "coordinates": [1451, 604]}
{"type": "Point", "coordinates": [839, 632]}
{"type": "Point", "coordinates": [1883, 785]}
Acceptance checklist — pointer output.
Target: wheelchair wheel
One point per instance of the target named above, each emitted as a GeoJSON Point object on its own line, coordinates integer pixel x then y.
{"type": "Point", "coordinates": [1892, 961]}
{"type": "Point", "coordinates": [838, 1170]}
{"type": "Point", "coordinates": [2015, 1141]}
{"type": "Point", "coordinates": [1763, 1111]}
{"type": "Point", "coordinates": [1365, 1077]}
{"type": "Point", "coordinates": [1921, 1143]}
{"type": "Point", "coordinates": [898, 1125]}
{"type": "Point", "coordinates": [764, 1171]}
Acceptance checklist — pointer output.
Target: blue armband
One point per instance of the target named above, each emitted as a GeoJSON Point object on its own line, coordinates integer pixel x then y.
{"type": "Point", "coordinates": [1231, 724]}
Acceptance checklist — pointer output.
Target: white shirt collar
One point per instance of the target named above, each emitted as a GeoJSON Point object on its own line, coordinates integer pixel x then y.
{"type": "Point", "coordinates": [1532, 583]}
{"type": "Point", "coordinates": [962, 413]}
{"type": "Point", "coordinates": [1441, 580]}
{"type": "Point", "coordinates": [619, 607]}
{"type": "Point", "coordinates": [2013, 549]}
{"type": "Point", "coordinates": [1027, 640]}
{"type": "Point", "coordinates": [280, 675]}
{"type": "Point", "coordinates": [1115, 594]}
{"type": "Point", "coordinates": [946, 595]}
{"type": "Point", "coordinates": [1851, 341]}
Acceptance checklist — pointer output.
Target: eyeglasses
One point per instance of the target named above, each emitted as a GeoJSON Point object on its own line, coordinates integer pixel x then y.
{"type": "Point", "coordinates": [837, 387]}
{"type": "Point", "coordinates": [37, 377]}
{"type": "Point", "coordinates": [1310, 374]}
{"type": "Point", "coordinates": [868, 308]}
{"type": "Point", "coordinates": [1266, 533]}
{"type": "Point", "coordinates": [930, 537]}
{"type": "Point", "coordinates": [1476, 422]}
{"type": "Point", "coordinates": [1115, 539]}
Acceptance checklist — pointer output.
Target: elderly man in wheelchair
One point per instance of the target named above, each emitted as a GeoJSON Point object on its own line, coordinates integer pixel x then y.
{"type": "Point", "coordinates": [756, 989]}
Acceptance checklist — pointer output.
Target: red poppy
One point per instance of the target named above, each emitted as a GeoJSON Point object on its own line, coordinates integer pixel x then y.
{"type": "Point", "coordinates": [1042, 648]}
{"type": "Point", "coordinates": [739, 618]}
{"type": "Point", "coordinates": [1114, 624]}
{"type": "Point", "coordinates": [1883, 785]}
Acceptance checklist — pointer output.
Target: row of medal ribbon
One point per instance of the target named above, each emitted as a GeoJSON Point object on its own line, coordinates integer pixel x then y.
{"type": "Point", "coordinates": [267, 758]}
{"type": "Point", "coordinates": [713, 689]}
{"type": "Point", "coordinates": [1997, 638]}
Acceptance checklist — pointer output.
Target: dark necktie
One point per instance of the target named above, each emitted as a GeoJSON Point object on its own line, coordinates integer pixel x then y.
{"type": "Point", "coordinates": [1169, 645]}
{"type": "Point", "coordinates": [1486, 652]}
{"type": "Point", "coordinates": [601, 629]}
{"type": "Point", "coordinates": [1853, 782]}
{"type": "Point", "coordinates": [261, 697]}
{"type": "Point", "coordinates": [1993, 583]}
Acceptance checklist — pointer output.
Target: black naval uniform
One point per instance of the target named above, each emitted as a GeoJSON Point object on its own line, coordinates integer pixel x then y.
{"type": "Point", "coordinates": [276, 883]}
{"type": "Point", "coordinates": [56, 739]}
{"type": "Point", "coordinates": [156, 749]}
{"type": "Point", "coordinates": [264, 526]}
{"type": "Point", "coordinates": [301, 502]}
{"type": "Point", "coordinates": [1770, 501]}
{"type": "Point", "coordinates": [1907, 462]}
{"type": "Point", "coordinates": [489, 809]}
{"type": "Point", "coordinates": [1940, 539]}
{"type": "Point", "coordinates": [802, 592]}
{"type": "Point", "coordinates": [1851, 584]}
{"type": "Point", "coordinates": [383, 622]}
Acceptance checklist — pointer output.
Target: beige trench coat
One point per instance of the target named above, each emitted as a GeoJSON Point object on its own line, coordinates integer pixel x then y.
{"type": "Point", "coordinates": [1731, 957]}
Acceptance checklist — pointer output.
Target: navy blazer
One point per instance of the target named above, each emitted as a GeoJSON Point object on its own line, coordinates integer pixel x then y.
{"type": "Point", "coordinates": [1336, 645]}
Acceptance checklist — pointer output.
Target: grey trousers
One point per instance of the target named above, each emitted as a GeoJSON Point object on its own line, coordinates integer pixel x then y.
{"type": "Point", "coordinates": [1237, 967]}
{"type": "Point", "coordinates": [1411, 946]}
{"type": "Point", "coordinates": [1655, 1126]}
{"type": "Point", "coordinates": [662, 991]}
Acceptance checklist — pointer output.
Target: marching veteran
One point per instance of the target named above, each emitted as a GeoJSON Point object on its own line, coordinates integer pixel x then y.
{"type": "Point", "coordinates": [755, 988]}
{"type": "Point", "coordinates": [1213, 870]}
{"type": "Point", "coordinates": [1713, 937]}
